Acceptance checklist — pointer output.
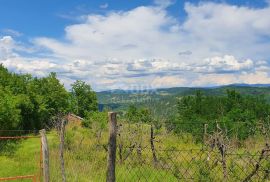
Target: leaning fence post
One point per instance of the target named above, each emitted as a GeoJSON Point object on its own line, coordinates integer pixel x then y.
{"type": "Point", "coordinates": [45, 155]}
{"type": "Point", "coordinates": [111, 147]}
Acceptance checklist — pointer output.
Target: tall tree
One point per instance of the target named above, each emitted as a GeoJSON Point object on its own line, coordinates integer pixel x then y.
{"type": "Point", "coordinates": [83, 98]}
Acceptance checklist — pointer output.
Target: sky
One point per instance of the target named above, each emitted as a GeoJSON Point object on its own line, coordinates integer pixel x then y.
{"type": "Point", "coordinates": [142, 44]}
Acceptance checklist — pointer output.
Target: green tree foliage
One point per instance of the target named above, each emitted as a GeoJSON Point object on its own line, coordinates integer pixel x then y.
{"type": "Point", "coordinates": [98, 120]}
{"type": "Point", "coordinates": [143, 115]}
{"type": "Point", "coordinates": [49, 97]}
{"type": "Point", "coordinates": [233, 110]}
{"type": "Point", "coordinates": [9, 112]}
{"type": "Point", "coordinates": [28, 102]}
{"type": "Point", "coordinates": [132, 114]}
{"type": "Point", "coordinates": [83, 98]}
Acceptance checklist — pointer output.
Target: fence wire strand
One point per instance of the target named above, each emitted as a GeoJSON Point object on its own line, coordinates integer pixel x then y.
{"type": "Point", "coordinates": [20, 155]}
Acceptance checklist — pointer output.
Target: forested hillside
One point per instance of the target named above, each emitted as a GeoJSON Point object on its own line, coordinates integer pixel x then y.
{"type": "Point", "coordinates": [164, 101]}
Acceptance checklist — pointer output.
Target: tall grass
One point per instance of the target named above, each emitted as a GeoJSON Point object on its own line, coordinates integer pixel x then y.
{"type": "Point", "coordinates": [20, 157]}
{"type": "Point", "coordinates": [180, 157]}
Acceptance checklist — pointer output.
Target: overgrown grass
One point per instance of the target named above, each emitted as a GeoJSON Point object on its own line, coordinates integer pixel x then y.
{"type": "Point", "coordinates": [20, 157]}
{"type": "Point", "coordinates": [85, 157]}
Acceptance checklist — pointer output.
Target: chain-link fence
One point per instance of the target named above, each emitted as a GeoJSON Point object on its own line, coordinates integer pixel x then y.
{"type": "Point", "coordinates": [166, 151]}
{"type": "Point", "coordinates": [85, 155]}
{"type": "Point", "coordinates": [193, 152]}
{"type": "Point", "coordinates": [193, 165]}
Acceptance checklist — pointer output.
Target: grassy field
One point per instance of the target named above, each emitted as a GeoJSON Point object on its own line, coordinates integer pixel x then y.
{"type": "Point", "coordinates": [180, 157]}
{"type": "Point", "coordinates": [20, 158]}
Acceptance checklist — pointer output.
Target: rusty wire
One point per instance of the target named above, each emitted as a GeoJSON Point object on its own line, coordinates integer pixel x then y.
{"type": "Point", "coordinates": [33, 177]}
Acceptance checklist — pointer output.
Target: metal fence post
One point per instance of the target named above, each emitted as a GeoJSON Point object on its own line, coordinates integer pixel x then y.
{"type": "Point", "coordinates": [111, 147]}
{"type": "Point", "coordinates": [45, 156]}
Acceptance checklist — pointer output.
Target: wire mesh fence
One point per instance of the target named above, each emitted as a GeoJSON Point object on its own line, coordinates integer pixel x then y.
{"type": "Point", "coordinates": [146, 152]}
{"type": "Point", "coordinates": [85, 155]}
{"type": "Point", "coordinates": [20, 155]}
{"type": "Point", "coordinates": [193, 152]}
{"type": "Point", "coordinates": [193, 165]}
{"type": "Point", "coordinates": [165, 152]}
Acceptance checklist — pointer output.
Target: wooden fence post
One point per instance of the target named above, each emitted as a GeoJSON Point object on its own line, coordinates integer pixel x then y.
{"type": "Point", "coordinates": [45, 155]}
{"type": "Point", "coordinates": [205, 132]}
{"type": "Point", "coordinates": [111, 147]}
{"type": "Point", "coordinates": [62, 145]}
{"type": "Point", "coordinates": [152, 137]}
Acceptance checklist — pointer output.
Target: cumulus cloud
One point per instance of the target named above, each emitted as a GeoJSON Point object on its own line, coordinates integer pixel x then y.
{"type": "Point", "coordinates": [36, 66]}
{"type": "Point", "coordinates": [226, 64]}
{"type": "Point", "coordinates": [6, 47]}
{"type": "Point", "coordinates": [217, 43]}
{"type": "Point", "coordinates": [209, 30]}
{"type": "Point", "coordinates": [107, 36]}
{"type": "Point", "coordinates": [239, 30]}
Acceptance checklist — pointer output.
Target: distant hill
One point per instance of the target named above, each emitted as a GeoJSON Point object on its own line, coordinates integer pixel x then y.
{"type": "Point", "coordinates": [250, 85]}
{"type": "Point", "coordinates": [164, 100]}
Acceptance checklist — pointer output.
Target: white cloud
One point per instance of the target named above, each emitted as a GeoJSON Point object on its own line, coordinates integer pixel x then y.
{"type": "Point", "coordinates": [6, 47]}
{"type": "Point", "coordinates": [148, 32]}
{"type": "Point", "coordinates": [222, 28]}
{"type": "Point", "coordinates": [168, 81]}
{"type": "Point", "coordinates": [164, 3]}
{"type": "Point", "coordinates": [257, 77]}
{"type": "Point", "coordinates": [214, 79]}
{"type": "Point", "coordinates": [23, 65]}
{"type": "Point", "coordinates": [128, 35]}
{"type": "Point", "coordinates": [215, 44]}
{"type": "Point", "coordinates": [224, 64]}
{"type": "Point", "coordinates": [11, 32]}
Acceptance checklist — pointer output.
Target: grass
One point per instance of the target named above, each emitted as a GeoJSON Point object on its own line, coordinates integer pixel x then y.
{"type": "Point", "coordinates": [22, 159]}
{"type": "Point", "coordinates": [85, 157]}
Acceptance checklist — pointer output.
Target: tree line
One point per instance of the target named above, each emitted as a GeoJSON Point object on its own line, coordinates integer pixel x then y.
{"type": "Point", "coordinates": [29, 103]}
{"type": "Point", "coordinates": [238, 115]}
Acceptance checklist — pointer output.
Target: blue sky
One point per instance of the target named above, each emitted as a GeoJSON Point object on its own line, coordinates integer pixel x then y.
{"type": "Point", "coordinates": [143, 43]}
{"type": "Point", "coordinates": [48, 18]}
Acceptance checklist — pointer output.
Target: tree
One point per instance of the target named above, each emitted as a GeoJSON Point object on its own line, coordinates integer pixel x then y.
{"type": "Point", "coordinates": [132, 114]}
{"type": "Point", "coordinates": [34, 101]}
{"type": "Point", "coordinates": [9, 113]}
{"type": "Point", "coordinates": [99, 119]}
{"type": "Point", "coordinates": [53, 98]}
{"type": "Point", "coordinates": [83, 98]}
{"type": "Point", "coordinates": [231, 110]}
